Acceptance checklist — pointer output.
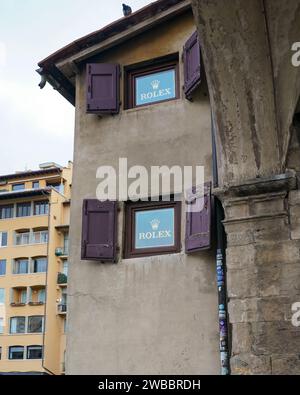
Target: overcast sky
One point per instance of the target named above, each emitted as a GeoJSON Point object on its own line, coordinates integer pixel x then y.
{"type": "Point", "coordinates": [36, 125]}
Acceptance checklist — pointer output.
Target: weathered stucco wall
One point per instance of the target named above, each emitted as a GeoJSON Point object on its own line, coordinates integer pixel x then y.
{"type": "Point", "coordinates": [154, 315]}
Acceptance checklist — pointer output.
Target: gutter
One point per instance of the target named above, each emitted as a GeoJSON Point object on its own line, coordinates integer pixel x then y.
{"type": "Point", "coordinates": [220, 267]}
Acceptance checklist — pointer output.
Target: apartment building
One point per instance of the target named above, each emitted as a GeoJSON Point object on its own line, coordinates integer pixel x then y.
{"type": "Point", "coordinates": [34, 232]}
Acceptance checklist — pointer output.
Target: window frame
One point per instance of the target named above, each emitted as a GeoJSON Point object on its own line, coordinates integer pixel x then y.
{"type": "Point", "coordinates": [34, 346]}
{"type": "Point", "coordinates": [1, 239]}
{"type": "Point", "coordinates": [10, 325]}
{"type": "Point", "coordinates": [15, 359]}
{"type": "Point", "coordinates": [14, 189]}
{"type": "Point", "coordinates": [35, 316]}
{"type": "Point", "coordinates": [3, 263]}
{"type": "Point", "coordinates": [38, 204]}
{"type": "Point", "coordinates": [170, 62]}
{"type": "Point", "coordinates": [129, 239]}
{"type": "Point", "coordinates": [4, 209]}
{"type": "Point", "coordinates": [23, 205]}
{"type": "Point", "coordinates": [17, 261]}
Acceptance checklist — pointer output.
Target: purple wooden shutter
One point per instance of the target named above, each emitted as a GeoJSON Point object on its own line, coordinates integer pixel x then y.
{"type": "Point", "coordinates": [99, 230]}
{"type": "Point", "coordinates": [192, 65]}
{"type": "Point", "coordinates": [103, 86]}
{"type": "Point", "coordinates": [198, 223]}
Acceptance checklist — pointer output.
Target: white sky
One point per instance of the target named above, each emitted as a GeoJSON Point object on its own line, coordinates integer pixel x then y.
{"type": "Point", "coordinates": [36, 125]}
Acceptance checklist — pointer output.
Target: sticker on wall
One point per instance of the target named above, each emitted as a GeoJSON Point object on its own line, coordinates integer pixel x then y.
{"type": "Point", "coordinates": [154, 228]}
{"type": "Point", "coordinates": [155, 87]}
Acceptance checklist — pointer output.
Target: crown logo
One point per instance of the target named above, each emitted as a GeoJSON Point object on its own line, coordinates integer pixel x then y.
{"type": "Point", "coordinates": [155, 84]}
{"type": "Point", "coordinates": [155, 224]}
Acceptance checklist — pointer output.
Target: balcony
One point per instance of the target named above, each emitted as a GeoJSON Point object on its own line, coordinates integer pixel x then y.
{"type": "Point", "coordinates": [60, 251]}
{"type": "Point", "coordinates": [62, 309]}
{"type": "Point", "coordinates": [62, 279]}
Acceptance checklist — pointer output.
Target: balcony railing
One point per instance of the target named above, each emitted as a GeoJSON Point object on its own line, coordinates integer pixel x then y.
{"type": "Point", "coordinates": [62, 308]}
{"type": "Point", "coordinates": [60, 251]}
{"type": "Point", "coordinates": [62, 278]}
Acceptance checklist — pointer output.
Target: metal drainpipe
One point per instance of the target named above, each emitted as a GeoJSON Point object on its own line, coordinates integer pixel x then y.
{"type": "Point", "coordinates": [221, 267]}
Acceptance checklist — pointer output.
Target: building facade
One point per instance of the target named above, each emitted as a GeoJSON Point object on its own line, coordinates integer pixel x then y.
{"type": "Point", "coordinates": [141, 93]}
{"type": "Point", "coordinates": [34, 227]}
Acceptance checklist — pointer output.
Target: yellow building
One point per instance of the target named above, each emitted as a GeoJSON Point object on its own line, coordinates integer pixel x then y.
{"type": "Point", "coordinates": [34, 231]}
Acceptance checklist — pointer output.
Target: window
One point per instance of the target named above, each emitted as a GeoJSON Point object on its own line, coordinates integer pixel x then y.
{"type": "Point", "coordinates": [35, 324]}
{"type": "Point", "coordinates": [22, 238]}
{"type": "Point", "coordinates": [3, 239]}
{"type": "Point", "coordinates": [18, 187]}
{"type": "Point", "coordinates": [20, 266]}
{"type": "Point", "coordinates": [35, 184]}
{"type": "Point", "coordinates": [2, 267]}
{"type": "Point", "coordinates": [2, 296]}
{"type": "Point", "coordinates": [7, 211]}
{"type": "Point", "coordinates": [57, 186]}
{"type": "Point", "coordinates": [34, 352]}
{"type": "Point", "coordinates": [0, 353]}
{"type": "Point", "coordinates": [41, 295]}
{"type": "Point", "coordinates": [17, 325]}
{"type": "Point", "coordinates": [66, 243]}
{"type": "Point", "coordinates": [24, 209]}
{"type": "Point", "coordinates": [1, 325]}
{"type": "Point", "coordinates": [16, 352]}
{"type": "Point", "coordinates": [39, 265]}
{"type": "Point", "coordinates": [40, 237]}
{"type": "Point", "coordinates": [23, 296]}
{"type": "Point", "coordinates": [152, 84]}
{"type": "Point", "coordinates": [41, 208]}
{"type": "Point", "coordinates": [65, 267]}
{"type": "Point", "coordinates": [152, 228]}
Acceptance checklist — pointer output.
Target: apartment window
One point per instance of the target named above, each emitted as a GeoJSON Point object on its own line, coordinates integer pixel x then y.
{"type": "Point", "coordinates": [66, 243]}
{"type": "Point", "coordinates": [1, 325]}
{"type": "Point", "coordinates": [20, 266]}
{"type": "Point", "coordinates": [34, 352]}
{"type": "Point", "coordinates": [17, 325]}
{"type": "Point", "coordinates": [0, 353]}
{"type": "Point", "coordinates": [2, 267]}
{"type": "Point", "coordinates": [40, 237]}
{"type": "Point", "coordinates": [18, 187]}
{"type": "Point", "coordinates": [35, 324]}
{"type": "Point", "coordinates": [7, 211]}
{"type": "Point", "coordinates": [22, 238]}
{"type": "Point", "coordinates": [152, 84]}
{"type": "Point", "coordinates": [24, 209]}
{"type": "Point", "coordinates": [35, 184]}
{"type": "Point", "coordinates": [152, 228]}
{"type": "Point", "coordinates": [16, 352]}
{"type": "Point", "coordinates": [39, 265]}
{"type": "Point", "coordinates": [41, 295]}
{"type": "Point", "coordinates": [41, 208]}
{"type": "Point", "coordinates": [3, 239]}
{"type": "Point", "coordinates": [65, 267]}
{"type": "Point", "coordinates": [2, 296]}
{"type": "Point", "coordinates": [57, 186]}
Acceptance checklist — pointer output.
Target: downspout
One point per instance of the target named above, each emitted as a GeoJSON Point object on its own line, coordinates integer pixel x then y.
{"type": "Point", "coordinates": [49, 196]}
{"type": "Point", "coordinates": [220, 267]}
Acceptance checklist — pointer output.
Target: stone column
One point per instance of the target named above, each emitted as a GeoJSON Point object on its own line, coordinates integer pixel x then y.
{"type": "Point", "coordinates": [262, 222]}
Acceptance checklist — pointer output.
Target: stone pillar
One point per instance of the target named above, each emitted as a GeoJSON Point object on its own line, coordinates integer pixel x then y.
{"type": "Point", "coordinates": [262, 223]}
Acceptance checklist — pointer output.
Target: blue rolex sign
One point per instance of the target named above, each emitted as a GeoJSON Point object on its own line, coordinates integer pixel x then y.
{"type": "Point", "coordinates": [154, 228]}
{"type": "Point", "coordinates": [155, 87]}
